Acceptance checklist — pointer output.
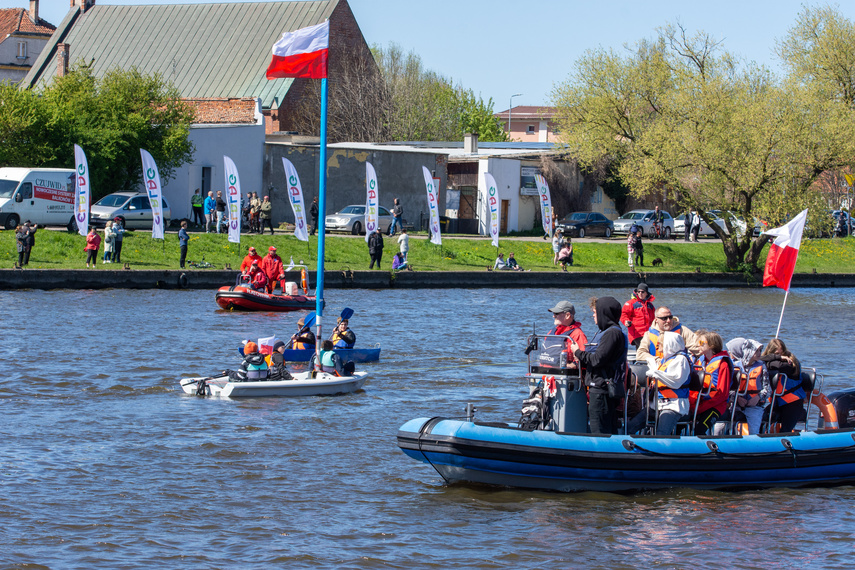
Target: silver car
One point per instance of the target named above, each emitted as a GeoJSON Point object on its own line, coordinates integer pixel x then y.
{"type": "Point", "coordinates": [132, 208]}
{"type": "Point", "coordinates": [352, 219]}
{"type": "Point", "coordinates": [644, 219]}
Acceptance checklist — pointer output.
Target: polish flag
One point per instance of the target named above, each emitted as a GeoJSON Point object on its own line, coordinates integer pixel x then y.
{"type": "Point", "coordinates": [301, 53]}
{"type": "Point", "coordinates": [783, 252]}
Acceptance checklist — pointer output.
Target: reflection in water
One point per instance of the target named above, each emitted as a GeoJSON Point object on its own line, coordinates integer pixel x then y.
{"type": "Point", "coordinates": [106, 464]}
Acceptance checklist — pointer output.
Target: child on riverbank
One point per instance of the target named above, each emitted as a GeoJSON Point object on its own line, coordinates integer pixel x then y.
{"type": "Point", "coordinates": [630, 249]}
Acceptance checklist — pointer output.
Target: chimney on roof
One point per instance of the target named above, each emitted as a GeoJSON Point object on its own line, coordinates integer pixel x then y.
{"type": "Point", "coordinates": [82, 4]}
{"type": "Point", "coordinates": [34, 11]}
{"type": "Point", "coordinates": [470, 143]}
{"type": "Point", "coordinates": [62, 55]}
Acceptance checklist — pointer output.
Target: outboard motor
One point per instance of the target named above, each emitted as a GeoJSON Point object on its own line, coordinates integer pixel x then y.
{"type": "Point", "coordinates": [844, 404]}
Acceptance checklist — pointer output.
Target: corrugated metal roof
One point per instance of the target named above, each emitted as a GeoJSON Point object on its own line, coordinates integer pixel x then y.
{"type": "Point", "coordinates": [206, 50]}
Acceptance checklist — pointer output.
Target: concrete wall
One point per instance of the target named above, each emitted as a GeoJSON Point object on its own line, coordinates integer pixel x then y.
{"type": "Point", "coordinates": [507, 175]}
{"type": "Point", "coordinates": [399, 175]}
{"type": "Point", "coordinates": [244, 144]}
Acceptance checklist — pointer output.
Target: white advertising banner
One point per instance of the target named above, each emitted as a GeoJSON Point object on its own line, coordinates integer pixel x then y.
{"type": "Point", "coordinates": [232, 199]}
{"type": "Point", "coordinates": [151, 180]}
{"type": "Point", "coordinates": [81, 193]}
{"type": "Point", "coordinates": [545, 204]}
{"type": "Point", "coordinates": [492, 206]}
{"type": "Point", "coordinates": [433, 207]}
{"type": "Point", "coordinates": [372, 201]}
{"type": "Point", "coordinates": [295, 196]}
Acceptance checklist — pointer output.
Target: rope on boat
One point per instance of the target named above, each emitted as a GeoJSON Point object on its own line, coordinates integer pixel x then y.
{"type": "Point", "coordinates": [422, 431]}
{"type": "Point", "coordinates": [714, 449]}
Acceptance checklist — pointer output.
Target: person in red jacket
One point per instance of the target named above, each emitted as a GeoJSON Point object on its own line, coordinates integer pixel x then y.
{"type": "Point", "coordinates": [716, 368]}
{"type": "Point", "coordinates": [256, 277]}
{"type": "Point", "coordinates": [271, 264]}
{"type": "Point", "coordinates": [564, 324]}
{"type": "Point", "coordinates": [93, 242]}
{"type": "Point", "coordinates": [247, 261]}
{"type": "Point", "coordinates": [637, 313]}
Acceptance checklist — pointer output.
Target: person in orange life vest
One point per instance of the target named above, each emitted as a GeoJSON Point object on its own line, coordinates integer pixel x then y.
{"type": "Point", "coordinates": [564, 324]}
{"type": "Point", "coordinates": [649, 350]}
{"type": "Point", "coordinates": [305, 339]}
{"type": "Point", "coordinates": [343, 337]}
{"type": "Point", "coordinates": [271, 264]}
{"type": "Point", "coordinates": [789, 402]}
{"type": "Point", "coordinates": [247, 261]}
{"type": "Point", "coordinates": [717, 369]}
{"type": "Point", "coordinates": [671, 378]}
{"type": "Point", "coordinates": [754, 383]}
{"type": "Point", "coordinates": [257, 278]}
{"type": "Point", "coordinates": [637, 314]}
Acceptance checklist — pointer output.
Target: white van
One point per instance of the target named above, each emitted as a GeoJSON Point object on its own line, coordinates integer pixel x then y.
{"type": "Point", "coordinates": [42, 195]}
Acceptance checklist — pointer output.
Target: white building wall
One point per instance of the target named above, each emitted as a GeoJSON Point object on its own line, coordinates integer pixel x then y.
{"type": "Point", "coordinates": [244, 144]}
{"type": "Point", "coordinates": [507, 174]}
{"type": "Point", "coordinates": [9, 56]}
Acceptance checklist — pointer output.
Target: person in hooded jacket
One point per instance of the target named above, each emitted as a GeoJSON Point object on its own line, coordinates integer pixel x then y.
{"type": "Point", "coordinates": [790, 399]}
{"type": "Point", "coordinates": [671, 378]}
{"type": "Point", "coordinates": [253, 368]}
{"type": "Point", "coordinates": [754, 385]}
{"type": "Point", "coordinates": [276, 362]}
{"type": "Point", "coordinates": [602, 364]}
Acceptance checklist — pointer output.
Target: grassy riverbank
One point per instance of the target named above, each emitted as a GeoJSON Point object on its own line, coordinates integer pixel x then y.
{"type": "Point", "coordinates": [62, 250]}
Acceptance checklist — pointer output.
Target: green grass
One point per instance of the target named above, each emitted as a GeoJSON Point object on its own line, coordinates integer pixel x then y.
{"type": "Point", "coordinates": [63, 250]}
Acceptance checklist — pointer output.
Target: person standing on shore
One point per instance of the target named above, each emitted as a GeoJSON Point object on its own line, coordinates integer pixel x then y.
{"type": "Point", "coordinates": [119, 232]}
{"type": "Point", "coordinates": [93, 242]}
{"type": "Point", "coordinates": [375, 248]}
{"type": "Point", "coordinates": [314, 213]}
{"type": "Point", "coordinates": [397, 217]}
{"type": "Point", "coordinates": [30, 229]}
{"type": "Point", "coordinates": [404, 242]}
{"type": "Point", "coordinates": [266, 215]}
{"type": "Point", "coordinates": [109, 242]}
{"type": "Point", "coordinates": [210, 211]}
{"type": "Point", "coordinates": [196, 203]}
{"type": "Point", "coordinates": [21, 243]}
{"type": "Point", "coordinates": [183, 240]}
{"type": "Point", "coordinates": [220, 207]}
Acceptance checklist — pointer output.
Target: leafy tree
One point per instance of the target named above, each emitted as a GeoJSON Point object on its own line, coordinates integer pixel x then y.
{"type": "Point", "coordinates": [111, 118]}
{"type": "Point", "coordinates": [679, 116]}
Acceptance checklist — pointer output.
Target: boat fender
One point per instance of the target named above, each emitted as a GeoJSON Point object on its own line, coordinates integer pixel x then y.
{"type": "Point", "coordinates": [826, 408]}
{"type": "Point", "coordinates": [183, 282]}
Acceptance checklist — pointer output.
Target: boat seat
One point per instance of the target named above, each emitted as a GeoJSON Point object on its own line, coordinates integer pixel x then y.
{"type": "Point", "coordinates": [808, 380]}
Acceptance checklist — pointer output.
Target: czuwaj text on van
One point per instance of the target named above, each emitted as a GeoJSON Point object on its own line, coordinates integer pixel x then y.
{"type": "Point", "coordinates": [43, 196]}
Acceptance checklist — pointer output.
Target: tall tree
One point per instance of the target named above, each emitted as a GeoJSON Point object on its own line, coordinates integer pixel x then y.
{"type": "Point", "coordinates": [680, 115]}
{"type": "Point", "coordinates": [111, 118]}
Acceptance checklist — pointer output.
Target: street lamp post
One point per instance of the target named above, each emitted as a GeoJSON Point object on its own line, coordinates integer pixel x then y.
{"type": "Point", "coordinates": [510, 106]}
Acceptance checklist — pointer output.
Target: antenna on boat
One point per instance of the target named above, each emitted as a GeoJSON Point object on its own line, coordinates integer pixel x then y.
{"type": "Point", "coordinates": [470, 412]}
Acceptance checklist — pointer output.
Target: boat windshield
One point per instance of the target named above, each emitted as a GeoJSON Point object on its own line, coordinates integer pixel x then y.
{"type": "Point", "coordinates": [7, 188]}
{"type": "Point", "coordinates": [353, 210]}
{"type": "Point", "coordinates": [112, 201]}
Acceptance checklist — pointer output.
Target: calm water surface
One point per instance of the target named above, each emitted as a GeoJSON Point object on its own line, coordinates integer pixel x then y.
{"type": "Point", "coordinates": [106, 464]}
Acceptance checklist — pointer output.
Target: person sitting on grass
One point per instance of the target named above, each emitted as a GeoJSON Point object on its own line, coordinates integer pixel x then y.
{"type": "Point", "coordinates": [500, 262]}
{"type": "Point", "coordinates": [399, 262]}
{"type": "Point", "coordinates": [512, 263]}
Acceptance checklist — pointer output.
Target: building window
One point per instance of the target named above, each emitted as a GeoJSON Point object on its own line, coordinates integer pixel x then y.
{"type": "Point", "coordinates": [22, 50]}
{"type": "Point", "coordinates": [530, 129]}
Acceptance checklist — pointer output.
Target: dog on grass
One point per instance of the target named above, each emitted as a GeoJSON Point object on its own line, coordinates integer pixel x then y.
{"type": "Point", "coordinates": [657, 262]}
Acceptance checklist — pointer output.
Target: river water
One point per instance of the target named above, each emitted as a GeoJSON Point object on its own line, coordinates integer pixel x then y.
{"type": "Point", "coordinates": [106, 464]}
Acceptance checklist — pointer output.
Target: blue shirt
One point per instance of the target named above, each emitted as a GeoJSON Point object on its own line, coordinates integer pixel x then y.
{"type": "Point", "coordinates": [210, 205]}
{"type": "Point", "coordinates": [183, 237]}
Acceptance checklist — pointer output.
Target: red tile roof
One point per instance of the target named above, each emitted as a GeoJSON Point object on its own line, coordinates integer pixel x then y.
{"type": "Point", "coordinates": [223, 111]}
{"type": "Point", "coordinates": [14, 20]}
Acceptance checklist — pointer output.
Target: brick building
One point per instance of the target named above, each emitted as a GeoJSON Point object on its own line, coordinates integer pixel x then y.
{"type": "Point", "coordinates": [23, 35]}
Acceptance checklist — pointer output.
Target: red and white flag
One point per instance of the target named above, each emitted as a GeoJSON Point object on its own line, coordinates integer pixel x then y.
{"type": "Point", "coordinates": [781, 261]}
{"type": "Point", "coordinates": [301, 53]}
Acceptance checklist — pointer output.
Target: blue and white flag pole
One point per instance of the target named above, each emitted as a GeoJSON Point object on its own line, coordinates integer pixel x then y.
{"type": "Point", "coordinates": [322, 208]}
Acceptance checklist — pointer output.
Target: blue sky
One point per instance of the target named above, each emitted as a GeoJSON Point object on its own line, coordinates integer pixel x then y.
{"type": "Point", "coordinates": [501, 47]}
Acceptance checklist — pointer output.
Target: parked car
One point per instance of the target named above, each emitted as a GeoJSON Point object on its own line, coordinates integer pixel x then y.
{"type": "Point", "coordinates": [352, 219]}
{"type": "Point", "coordinates": [643, 218]}
{"type": "Point", "coordinates": [581, 224]}
{"type": "Point", "coordinates": [132, 208]}
{"type": "Point", "coordinates": [706, 230]}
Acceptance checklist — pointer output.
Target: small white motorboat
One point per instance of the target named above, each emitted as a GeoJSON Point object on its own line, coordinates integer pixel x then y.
{"type": "Point", "coordinates": [303, 384]}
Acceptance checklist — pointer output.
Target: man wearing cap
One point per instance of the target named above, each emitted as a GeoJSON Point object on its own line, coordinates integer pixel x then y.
{"type": "Point", "coordinates": [265, 213]}
{"type": "Point", "coordinates": [650, 347]}
{"type": "Point", "coordinates": [247, 261]}
{"type": "Point", "coordinates": [272, 266]}
{"type": "Point", "coordinates": [552, 346]}
{"type": "Point", "coordinates": [637, 313]}
{"type": "Point", "coordinates": [276, 361]}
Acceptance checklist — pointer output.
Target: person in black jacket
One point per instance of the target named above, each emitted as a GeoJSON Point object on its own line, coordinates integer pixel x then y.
{"type": "Point", "coordinates": [602, 363]}
{"type": "Point", "coordinates": [375, 248]}
{"type": "Point", "coordinates": [313, 211]}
